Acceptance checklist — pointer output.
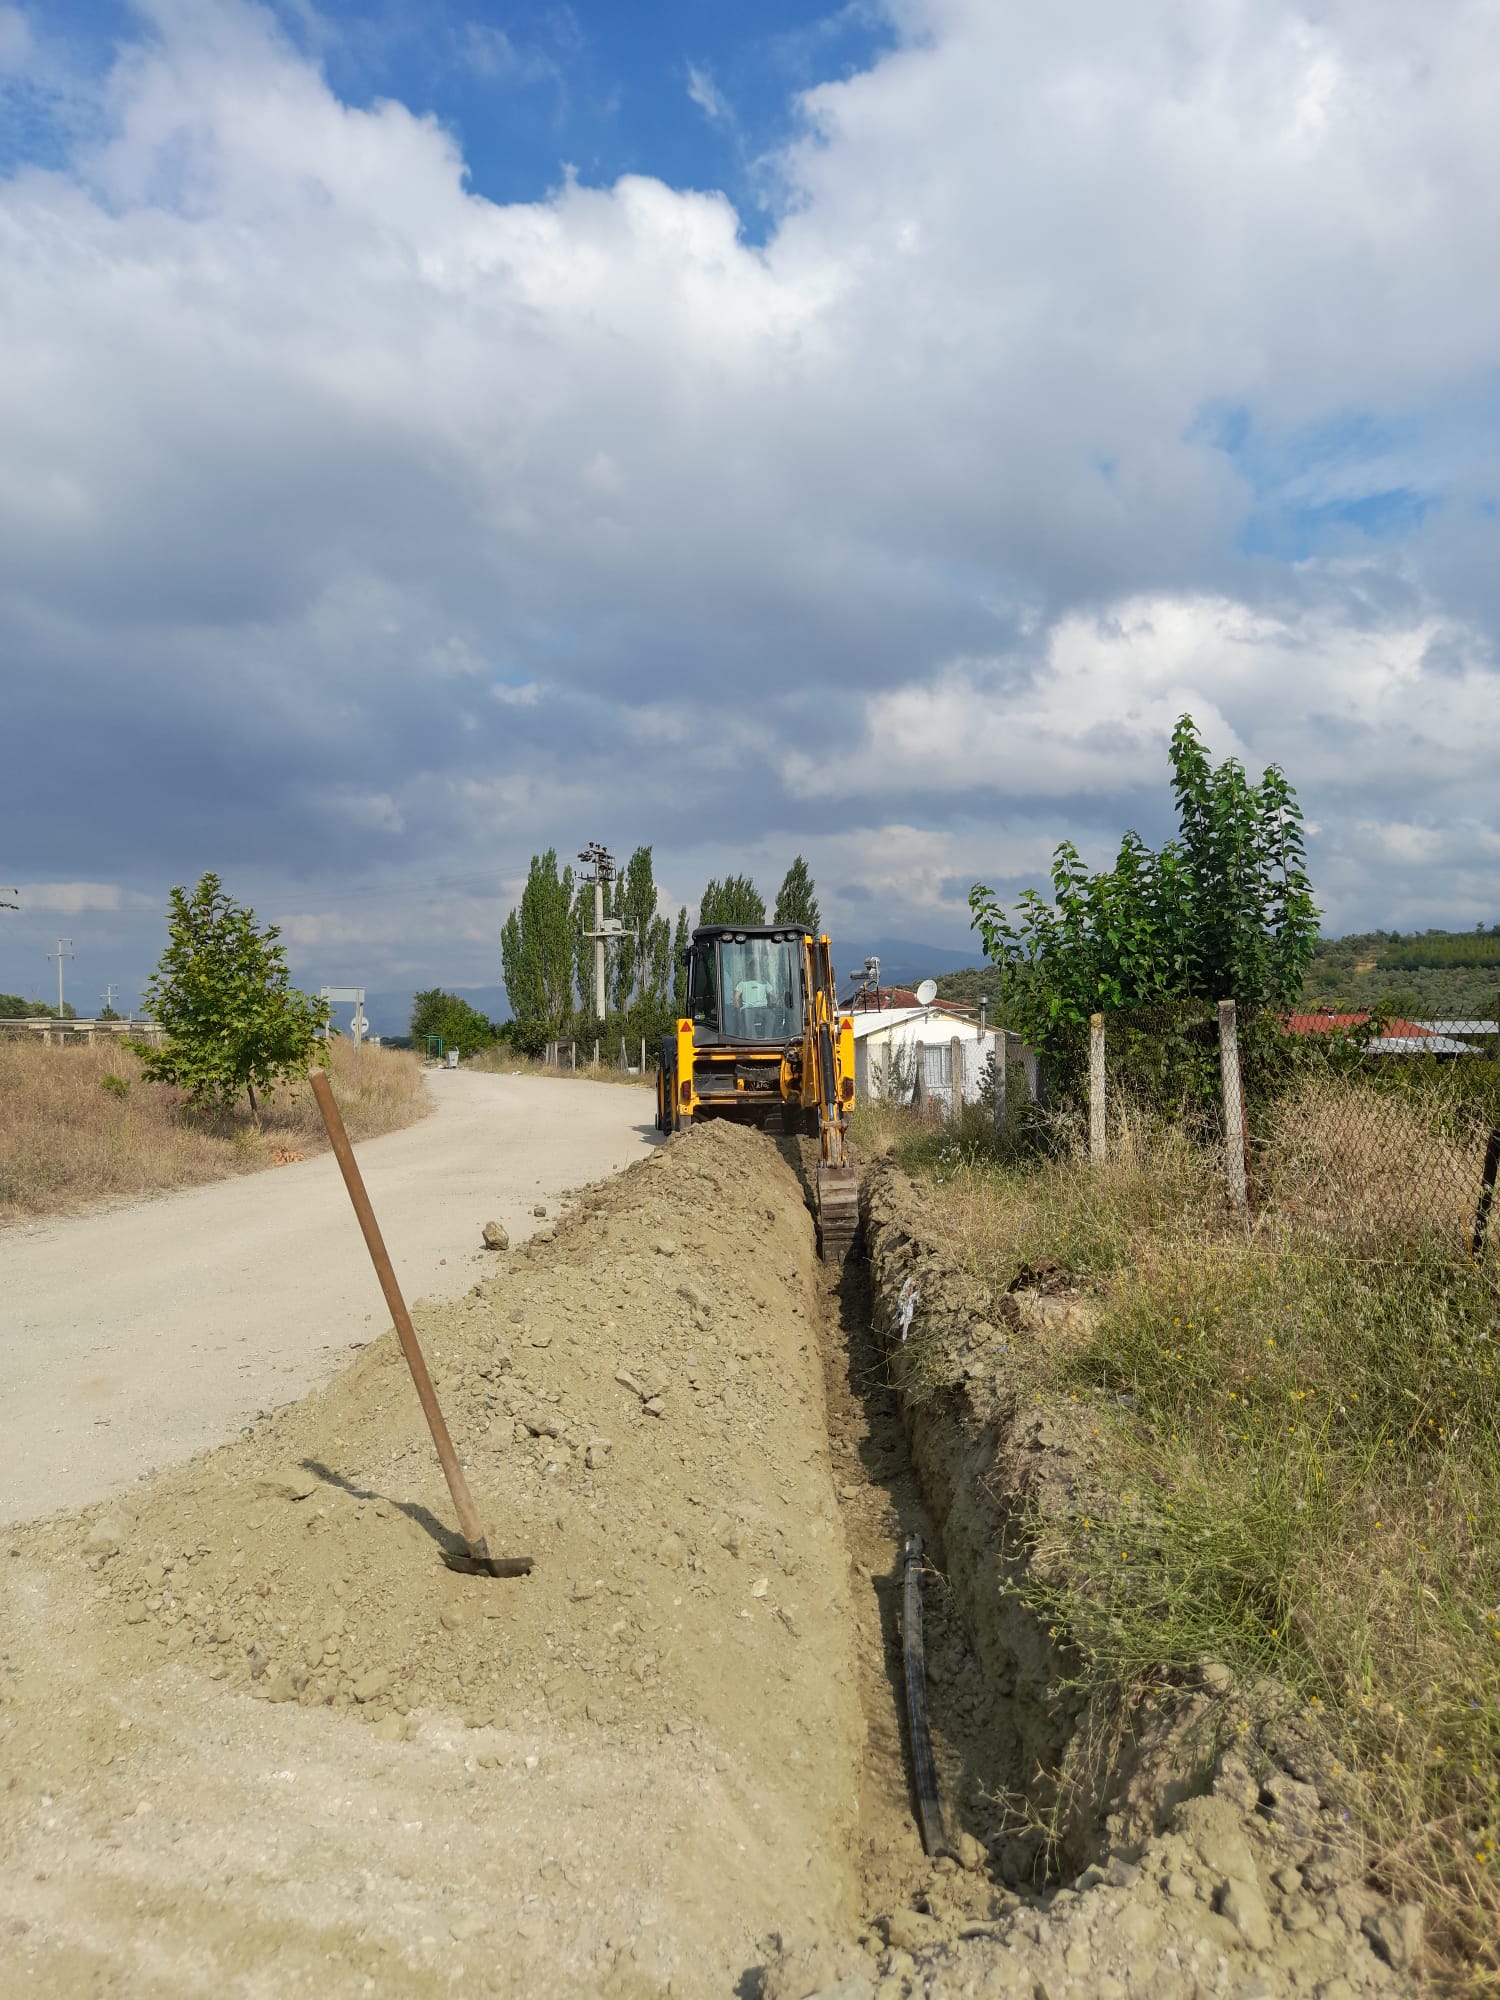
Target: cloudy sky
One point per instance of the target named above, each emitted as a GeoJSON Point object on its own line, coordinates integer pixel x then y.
{"type": "Point", "coordinates": [438, 429]}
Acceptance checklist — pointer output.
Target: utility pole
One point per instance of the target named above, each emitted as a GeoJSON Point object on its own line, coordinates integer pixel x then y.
{"type": "Point", "coordinates": [601, 865]}
{"type": "Point", "coordinates": [108, 997]}
{"type": "Point", "coordinates": [64, 950]}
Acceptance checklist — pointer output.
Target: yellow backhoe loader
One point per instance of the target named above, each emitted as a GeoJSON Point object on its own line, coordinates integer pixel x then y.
{"type": "Point", "coordinates": [761, 1040]}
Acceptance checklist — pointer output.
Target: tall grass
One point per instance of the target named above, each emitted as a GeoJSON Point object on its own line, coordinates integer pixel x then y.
{"type": "Point", "coordinates": [1298, 1459]}
{"type": "Point", "coordinates": [80, 1125]}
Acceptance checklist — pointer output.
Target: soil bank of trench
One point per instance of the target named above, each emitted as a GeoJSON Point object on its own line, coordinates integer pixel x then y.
{"type": "Point", "coordinates": [258, 1739]}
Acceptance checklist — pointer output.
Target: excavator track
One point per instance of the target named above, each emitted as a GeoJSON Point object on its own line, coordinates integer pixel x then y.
{"type": "Point", "coordinates": [838, 1212]}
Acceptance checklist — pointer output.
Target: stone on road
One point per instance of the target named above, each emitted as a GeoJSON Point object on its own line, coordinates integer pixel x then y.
{"type": "Point", "coordinates": [137, 1336]}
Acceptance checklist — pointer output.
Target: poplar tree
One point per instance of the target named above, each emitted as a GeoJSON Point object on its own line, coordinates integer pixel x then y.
{"type": "Point", "coordinates": [640, 970]}
{"type": "Point", "coordinates": [735, 900]}
{"type": "Point", "coordinates": [537, 949]}
{"type": "Point", "coordinates": [796, 899]}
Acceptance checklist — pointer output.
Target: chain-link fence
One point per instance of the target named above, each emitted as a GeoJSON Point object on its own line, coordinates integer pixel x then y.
{"type": "Point", "coordinates": [1381, 1134]}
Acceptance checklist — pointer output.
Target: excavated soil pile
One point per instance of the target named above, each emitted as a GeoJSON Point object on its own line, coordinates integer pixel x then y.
{"type": "Point", "coordinates": [639, 1402]}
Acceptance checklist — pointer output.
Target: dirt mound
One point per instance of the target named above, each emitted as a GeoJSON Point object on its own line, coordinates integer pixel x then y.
{"type": "Point", "coordinates": [603, 1401]}
{"type": "Point", "coordinates": [637, 1398]}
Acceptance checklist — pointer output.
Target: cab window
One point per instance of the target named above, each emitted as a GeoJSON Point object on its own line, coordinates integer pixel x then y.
{"type": "Point", "coordinates": [762, 989]}
{"type": "Point", "coordinates": [703, 996]}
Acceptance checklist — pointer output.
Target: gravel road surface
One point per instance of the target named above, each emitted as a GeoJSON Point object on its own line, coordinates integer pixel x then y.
{"type": "Point", "coordinates": [137, 1336]}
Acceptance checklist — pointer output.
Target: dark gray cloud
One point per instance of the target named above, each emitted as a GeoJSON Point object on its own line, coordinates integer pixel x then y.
{"type": "Point", "coordinates": [359, 536]}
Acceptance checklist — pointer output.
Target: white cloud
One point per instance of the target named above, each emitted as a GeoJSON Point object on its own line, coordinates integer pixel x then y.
{"type": "Point", "coordinates": [16, 46]}
{"type": "Point", "coordinates": [363, 523]}
{"type": "Point", "coordinates": [708, 97]}
{"type": "Point", "coordinates": [1348, 707]}
{"type": "Point", "coordinates": [72, 899]}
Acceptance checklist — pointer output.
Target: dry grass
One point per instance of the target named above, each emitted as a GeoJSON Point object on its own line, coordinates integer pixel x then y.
{"type": "Point", "coordinates": [80, 1125]}
{"type": "Point", "coordinates": [501, 1060]}
{"type": "Point", "coordinates": [1298, 1456]}
{"type": "Point", "coordinates": [1370, 1169]}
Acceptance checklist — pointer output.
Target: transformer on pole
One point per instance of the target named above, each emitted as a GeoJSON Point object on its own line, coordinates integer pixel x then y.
{"type": "Point", "coordinates": [601, 866]}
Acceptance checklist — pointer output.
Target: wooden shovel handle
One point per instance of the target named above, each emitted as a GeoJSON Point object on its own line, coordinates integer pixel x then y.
{"type": "Point", "coordinates": [343, 1152]}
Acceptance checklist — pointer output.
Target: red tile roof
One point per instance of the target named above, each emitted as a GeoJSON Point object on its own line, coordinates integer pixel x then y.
{"type": "Point", "coordinates": [1327, 1024]}
{"type": "Point", "coordinates": [868, 1000]}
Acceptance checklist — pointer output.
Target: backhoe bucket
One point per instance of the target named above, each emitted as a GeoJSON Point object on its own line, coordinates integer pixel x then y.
{"type": "Point", "coordinates": [838, 1212]}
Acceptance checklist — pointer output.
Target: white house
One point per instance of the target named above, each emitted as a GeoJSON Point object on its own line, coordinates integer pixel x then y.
{"type": "Point", "coordinates": [888, 1039]}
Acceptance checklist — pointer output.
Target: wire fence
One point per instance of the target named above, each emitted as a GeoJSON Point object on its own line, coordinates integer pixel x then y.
{"type": "Point", "coordinates": [1379, 1133]}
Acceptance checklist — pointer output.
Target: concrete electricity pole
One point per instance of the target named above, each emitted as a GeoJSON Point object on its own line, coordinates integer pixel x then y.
{"type": "Point", "coordinates": [64, 950]}
{"type": "Point", "coordinates": [108, 997]}
{"type": "Point", "coordinates": [601, 864]}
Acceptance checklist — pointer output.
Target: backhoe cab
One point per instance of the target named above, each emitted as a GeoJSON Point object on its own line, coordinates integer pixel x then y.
{"type": "Point", "coordinates": [762, 1039]}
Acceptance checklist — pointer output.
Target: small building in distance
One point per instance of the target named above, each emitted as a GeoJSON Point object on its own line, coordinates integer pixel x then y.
{"type": "Point", "coordinates": [1400, 1038]}
{"type": "Point", "coordinates": [892, 1024]}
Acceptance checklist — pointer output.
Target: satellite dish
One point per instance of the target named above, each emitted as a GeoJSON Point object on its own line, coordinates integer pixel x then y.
{"type": "Point", "coordinates": [927, 992]}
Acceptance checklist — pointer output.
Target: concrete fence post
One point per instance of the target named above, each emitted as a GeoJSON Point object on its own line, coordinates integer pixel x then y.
{"type": "Point", "coordinates": [919, 1081]}
{"type": "Point", "coordinates": [1234, 1109]}
{"type": "Point", "coordinates": [596, 1052]}
{"type": "Point", "coordinates": [1000, 1067]}
{"type": "Point", "coordinates": [1098, 1110]}
{"type": "Point", "coordinates": [956, 1076]}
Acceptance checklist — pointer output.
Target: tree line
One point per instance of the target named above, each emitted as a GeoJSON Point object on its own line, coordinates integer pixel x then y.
{"type": "Point", "coordinates": [1443, 951]}
{"type": "Point", "coordinates": [547, 954]}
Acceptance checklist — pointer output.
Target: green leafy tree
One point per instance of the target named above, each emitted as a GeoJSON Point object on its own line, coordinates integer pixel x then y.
{"type": "Point", "coordinates": [796, 899]}
{"type": "Point", "coordinates": [641, 961]}
{"type": "Point", "coordinates": [735, 900]}
{"type": "Point", "coordinates": [1222, 912]}
{"type": "Point", "coordinates": [538, 947]}
{"type": "Point", "coordinates": [449, 1016]}
{"type": "Point", "coordinates": [232, 1020]}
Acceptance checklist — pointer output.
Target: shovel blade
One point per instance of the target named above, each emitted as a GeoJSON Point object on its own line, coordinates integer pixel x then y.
{"type": "Point", "coordinates": [468, 1564]}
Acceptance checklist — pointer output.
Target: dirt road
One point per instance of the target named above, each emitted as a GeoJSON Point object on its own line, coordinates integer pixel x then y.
{"type": "Point", "coordinates": [137, 1337]}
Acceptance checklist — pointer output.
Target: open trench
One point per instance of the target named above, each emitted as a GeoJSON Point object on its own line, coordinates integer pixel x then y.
{"type": "Point", "coordinates": [667, 1762]}
{"type": "Point", "coordinates": [881, 1504]}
